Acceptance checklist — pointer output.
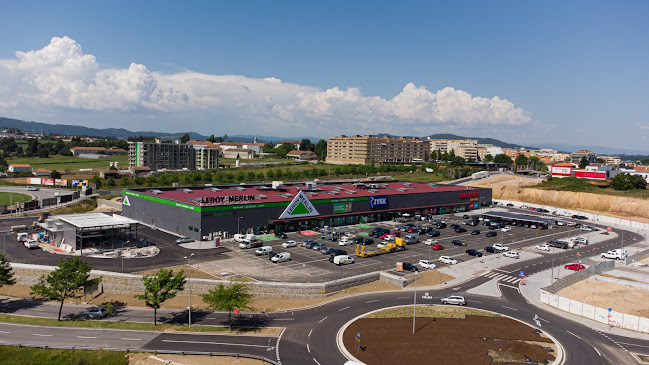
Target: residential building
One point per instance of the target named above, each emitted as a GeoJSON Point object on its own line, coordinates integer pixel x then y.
{"type": "Point", "coordinates": [76, 151]}
{"type": "Point", "coordinates": [294, 143]}
{"type": "Point", "coordinates": [207, 154]}
{"type": "Point", "coordinates": [475, 152]}
{"type": "Point", "coordinates": [157, 155]}
{"type": "Point", "coordinates": [446, 145]}
{"type": "Point", "coordinates": [255, 147]}
{"type": "Point", "coordinates": [20, 168]}
{"type": "Point", "coordinates": [576, 157]}
{"type": "Point", "coordinates": [368, 149]}
{"type": "Point", "coordinates": [611, 160]}
{"type": "Point", "coordinates": [303, 155]}
{"type": "Point", "coordinates": [241, 153]}
{"type": "Point", "coordinates": [41, 172]}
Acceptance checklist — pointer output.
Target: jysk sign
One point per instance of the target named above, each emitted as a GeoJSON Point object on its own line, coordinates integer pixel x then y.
{"type": "Point", "coordinates": [379, 201]}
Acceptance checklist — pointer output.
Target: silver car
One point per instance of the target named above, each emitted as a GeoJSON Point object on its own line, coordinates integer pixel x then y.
{"type": "Point", "coordinates": [454, 299]}
{"type": "Point", "coordinates": [95, 312]}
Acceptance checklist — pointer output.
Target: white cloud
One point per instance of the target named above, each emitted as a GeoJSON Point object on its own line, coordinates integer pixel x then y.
{"type": "Point", "coordinates": [61, 75]}
{"type": "Point", "coordinates": [643, 126]}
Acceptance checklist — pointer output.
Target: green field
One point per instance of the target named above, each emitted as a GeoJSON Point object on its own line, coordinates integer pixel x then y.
{"type": "Point", "coordinates": [37, 356]}
{"type": "Point", "coordinates": [13, 198]}
{"type": "Point", "coordinates": [69, 163]}
{"type": "Point", "coordinates": [584, 185]}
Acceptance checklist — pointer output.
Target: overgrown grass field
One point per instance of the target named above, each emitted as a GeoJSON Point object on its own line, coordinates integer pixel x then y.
{"type": "Point", "coordinates": [13, 198]}
{"type": "Point", "coordinates": [69, 163]}
{"type": "Point", "coordinates": [38, 356]}
{"type": "Point", "coordinates": [584, 186]}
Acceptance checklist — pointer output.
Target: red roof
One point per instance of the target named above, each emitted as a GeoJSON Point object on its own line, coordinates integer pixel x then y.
{"type": "Point", "coordinates": [325, 191]}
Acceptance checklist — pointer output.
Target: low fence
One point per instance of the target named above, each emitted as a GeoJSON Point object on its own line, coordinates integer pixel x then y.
{"type": "Point", "coordinates": [579, 276]}
{"type": "Point", "coordinates": [637, 257]}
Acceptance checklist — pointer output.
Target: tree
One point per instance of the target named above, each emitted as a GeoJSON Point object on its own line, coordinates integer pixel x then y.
{"type": "Point", "coordinates": [184, 138]}
{"type": "Point", "coordinates": [19, 151]}
{"type": "Point", "coordinates": [66, 281]}
{"type": "Point", "coordinates": [211, 138]}
{"type": "Point", "coordinates": [284, 149]}
{"type": "Point", "coordinates": [6, 272]}
{"type": "Point", "coordinates": [457, 161]}
{"type": "Point", "coordinates": [488, 157]}
{"type": "Point", "coordinates": [268, 148]}
{"type": "Point", "coordinates": [521, 160]}
{"type": "Point", "coordinates": [321, 148]}
{"type": "Point", "coordinates": [112, 168]}
{"type": "Point", "coordinates": [645, 162]}
{"type": "Point", "coordinates": [583, 162]}
{"type": "Point", "coordinates": [306, 145]}
{"type": "Point", "coordinates": [503, 158]}
{"type": "Point", "coordinates": [110, 182]}
{"type": "Point", "coordinates": [160, 287]}
{"type": "Point", "coordinates": [235, 296]}
{"type": "Point", "coordinates": [625, 181]}
{"type": "Point", "coordinates": [55, 174]}
{"type": "Point", "coordinates": [600, 160]}
{"type": "Point", "coordinates": [433, 155]}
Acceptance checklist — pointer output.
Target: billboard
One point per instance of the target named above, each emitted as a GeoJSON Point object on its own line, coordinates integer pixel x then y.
{"type": "Point", "coordinates": [342, 208]}
{"type": "Point", "coordinates": [379, 201]}
{"type": "Point", "coordinates": [47, 181]}
{"type": "Point", "coordinates": [597, 175]}
{"type": "Point", "coordinates": [34, 180]}
{"type": "Point", "coordinates": [561, 171]}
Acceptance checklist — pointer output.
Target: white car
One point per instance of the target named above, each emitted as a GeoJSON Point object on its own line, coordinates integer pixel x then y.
{"type": "Point", "coordinates": [512, 254]}
{"type": "Point", "coordinates": [581, 240]}
{"type": "Point", "coordinates": [506, 229]}
{"type": "Point", "coordinates": [447, 260]}
{"type": "Point", "coordinates": [345, 242]}
{"type": "Point", "coordinates": [543, 247]}
{"type": "Point", "coordinates": [288, 244]}
{"type": "Point", "coordinates": [430, 242]}
{"type": "Point", "coordinates": [31, 244]}
{"type": "Point", "coordinates": [32, 188]}
{"type": "Point", "coordinates": [281, 257]}
{"type": "Point", "coordinates": [586, 228]}
{"type": "Point", "coordinates": [561, 223]}
{"type": "Point", "coordinates": [500, 247]}
{"type": "Point", "coordinates": [383, 244]}
{"type": "Point", "coordinates": [426, 264]}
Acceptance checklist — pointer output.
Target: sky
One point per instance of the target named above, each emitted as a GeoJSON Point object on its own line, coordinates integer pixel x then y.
{"type": "Point", "coordinates": [520, 71]}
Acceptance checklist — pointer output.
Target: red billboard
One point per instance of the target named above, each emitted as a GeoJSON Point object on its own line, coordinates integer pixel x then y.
{"type": "Point", "coordinates": [597, 175]}
{"type": "Point", "coordinates": [561, 171]}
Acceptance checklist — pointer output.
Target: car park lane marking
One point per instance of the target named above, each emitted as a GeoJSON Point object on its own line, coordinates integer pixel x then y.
{"type": "Point", "coordinates": [316, 361]}
{"type": "Point", "coordinates": [371, 301]}
{"type": "Point", "coordinates": [403, 298]}
{"type": "Point", "coordinates": [130, 339]}
{"type": "Point", "coordinates": [216, 343]}
{"type": "Point", "coordinates": [322, 319]}
{"type": "Point", "coordinates": [575, 336]}
{"type": "Point", "coordinates": [308, 348]}
{"type": "Point", "coordinates": [340, 310]}
{"type": "Point", "coordinates": [38, 334]}
{"type": "Point", "coordinates": [514, 309]}
{"type": "Point", "coordinates": [4, 332]}
{"type": "Point", "coordinates": [85, 337]}
{"type": "Point", "coordinates": [310, 333]}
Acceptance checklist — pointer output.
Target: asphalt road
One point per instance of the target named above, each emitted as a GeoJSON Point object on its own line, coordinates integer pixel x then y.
{"type": "Point", "coordinates": [42, 193]}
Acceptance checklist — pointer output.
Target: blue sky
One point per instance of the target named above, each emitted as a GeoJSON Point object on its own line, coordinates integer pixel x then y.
{"type": "Point", "coordinates": [530, 72]}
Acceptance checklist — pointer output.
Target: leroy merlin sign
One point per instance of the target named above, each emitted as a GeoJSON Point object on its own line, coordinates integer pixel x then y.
{"type": "Point", "coordinates": [299, 207]}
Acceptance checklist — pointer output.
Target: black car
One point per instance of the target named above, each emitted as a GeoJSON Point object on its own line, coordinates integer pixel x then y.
{"type": "Point", "coordinates": [485, 223]}
{"type": "Point", "coordinates": [510, 204]}
{"type": "Point", "coordinates": [475, 232]}
{"type": "Point", "coordinates": [433, 234]}
{"type": "Point", "coordinates": [368, 241]}
{"type": "Point", "coordinates": [465, 217]}
{"type": "Point", "coordinates": [359, 240]}
{"type": "Point", "coordinates": [474, 252]}
{"type": "Point", "coordinates": [440, 225]}
{"type": "Point", "coordinates": [460, 230]}
{"type": "Point", "coordinates": [490, 249]}
{"type": "Point", "coordinates": [491, 234]}
{"type": "Point", "coordinates": [336, 252]}
{"type": "Point", "coordinates": [280, 235]}
{"type": "Point", "coordinates": [425, 230]}
{"type": "Point", "coordinates": [454, 225]}
{"type": "Point", "coordinates": [458, 243]}
{"type": "Point", "coordinates": [576, 216]}
{"type": "Point", "coordinates": [409, 267]}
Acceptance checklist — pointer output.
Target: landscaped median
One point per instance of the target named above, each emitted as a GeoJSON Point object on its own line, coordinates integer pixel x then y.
{"type": "Point", "coordinates": [136, 326]}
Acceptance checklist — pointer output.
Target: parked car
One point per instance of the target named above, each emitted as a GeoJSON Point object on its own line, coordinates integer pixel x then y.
{"type": "Point", "coordinates": [337, 252]}
{"type": "Point", "coordinates": [359, 240]}
{"type": "Point", "coordinates": [426, 264]}
{"type": "Point", "coordinates": [491, 249]}
{"type": "Point", "coordinates": [558, 244]}
{"type": "Point", "coordinates": [617, 254]}
{"type": "Point", "coordinates": [454, 299]}
{"type": "Point", "coordinates": [585, 228]}
{"type": "Point", "coordinates": [575, 267]}
{"type": "Point", "coordinates": [577, 216]}
{"type": "Point", "coordinates": [491, 234]}
{"type": "Point", "coordinates": [343, 260]}
{"type": "Point", "coordinates": [458, 243]}
{"type": "Point", "coordinates": [368, 241]}
{"type": "Point", "coordinates": [437, 247]}
{"type": "Point", "coordinates": [288, 244]}
{"type": "Point", "coordinates": [510, 204]}
{"type": "Point", "coordinates": [184, 240]}
{"type": "Point", "coordinates": [433, 234]}
{"type": "Point", "coordinates": [430, 242]}
{"type": "Point", "coordinates": [561, 223]}
{"type": "Point", "coordinates": [447, 260]}
{"type": "Point", "coordinates": [473, 252]}
{"type": "Point", "coordinates": [308, 243]}
{"type": "Point", "coordinates": [506, 229]}
{"type": "Point", "coordinates": [455, 225]}
{"type": "Point", "coordinates": [512, 254]}
{"type": "Point", "coordinates": [543, 247]}
{"type": "Point", "coordinates": [440, 225]}
{"type": "Point", "coordinates": [581, 240]}
{"type": "Point", "coordinates": [30, 244]}
{"type": "Point", "coordinates": [281, 257]}
{"type": "Point", "coordinates": [475, 232]}
{"type": "Point", "coordinates": [281, 235]}
{"type": "Point", "coordinates": [500, 247]}
{"type": "Point", "coordinates": [345, 242]}
{"type": "Point", "coordinates": [460, 230]}
{"type": "Point", "coordinates": [265, 250]}
{"type": "Point", "coordinates": [409, 267]}
{"type": "Point", "coordinates": [318, 246]}
{"type": "Point", "coordinates": [95, 312]}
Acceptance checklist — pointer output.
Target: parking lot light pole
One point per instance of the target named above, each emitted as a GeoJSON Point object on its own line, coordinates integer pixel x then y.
{"type": "Point", "coordinates": [238, 220]}
{"type": "Point", "coordinates": [414, 307]}
{"type": "Point", "coordinates": [122, 254]}
{"type": "Point", "coordinates": [189, 281]}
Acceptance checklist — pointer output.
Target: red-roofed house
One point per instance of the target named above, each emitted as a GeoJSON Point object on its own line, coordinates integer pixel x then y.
{"type": "Point", "coordinates": [242, 153]}
{"type": "Point", "coordinates": [303, 155]}
{"type": "Point", "coordinates": [41, 172]}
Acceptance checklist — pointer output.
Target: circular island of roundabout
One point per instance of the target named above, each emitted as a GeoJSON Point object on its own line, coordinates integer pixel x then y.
{"type": "Point", "coordinates": [444, 335]}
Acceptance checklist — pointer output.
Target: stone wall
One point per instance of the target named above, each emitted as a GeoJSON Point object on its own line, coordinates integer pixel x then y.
{"type": "Point", "coordinates": [579, 276]}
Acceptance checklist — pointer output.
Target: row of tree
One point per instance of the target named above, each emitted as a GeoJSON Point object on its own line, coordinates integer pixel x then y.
{"type": "Point", "coordinates": [72, 275]}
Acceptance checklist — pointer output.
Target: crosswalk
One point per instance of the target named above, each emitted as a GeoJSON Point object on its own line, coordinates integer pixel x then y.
{"type": "Point", "coordinates": [502, 277]}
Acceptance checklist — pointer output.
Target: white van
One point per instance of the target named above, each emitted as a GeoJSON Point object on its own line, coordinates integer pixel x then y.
{"type": "Point", "coordinates": [247, 244]}
{"type": "Point", "coordinates": [343, 259]}
{"type": "Point", "coordinates": [239, 237]}
{"type": "Point", "coordinates": [281, 257]}
{"type": "Point", "coordinates": [264, 250]}
{"type": "Point", "coordinates": [617, 254]}
{"type": "Point", "coordinates": [23, 236]}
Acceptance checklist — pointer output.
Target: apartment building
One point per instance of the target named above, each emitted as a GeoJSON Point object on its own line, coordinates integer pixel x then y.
{"type": "Point", "coordinates": [575, 157]}
{"type": "Point", "coordinates": [207, 154]}
{"type": "Point", "coordinates": [342, 150]}
{"type": "Point", "coordinates": [446, 145]}
{"type": "Point", "coordinates": [158, 155]}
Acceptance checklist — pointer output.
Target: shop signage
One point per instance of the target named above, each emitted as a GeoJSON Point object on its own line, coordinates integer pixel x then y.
{"type": "Point", "coordinates": [125, 201]}
{"type": "Point", "coordinates": [215, 200]}
{"type": "Point", "coordinates": [379, 201]}
{"type": "Point", "coordinates": [470, 195]}
{"type": "Point", "coordinates": [299, 207]}
{"type": "Point", "coordinates": [342, 208]}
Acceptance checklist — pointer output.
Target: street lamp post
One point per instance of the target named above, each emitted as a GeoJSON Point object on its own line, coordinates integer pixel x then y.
{"type": "Point", "coordinates": [127, 242]}
{"type": "Point", "coordinates": [189, 281]}
{"type": "Point", "coordinates": [414, 307]}
{"type": "Point", "coordinates": [238, 220]}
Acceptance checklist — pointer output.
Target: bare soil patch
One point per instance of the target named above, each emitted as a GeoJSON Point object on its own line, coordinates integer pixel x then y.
{"type": "Point", "coordinates": [431, 278]}
{"type": "Point", "coordinates": [490, 340]}
{"type": "Point", "coordinates": [624, 299]}
{"type": "Point", "coordinates": [146, 359]}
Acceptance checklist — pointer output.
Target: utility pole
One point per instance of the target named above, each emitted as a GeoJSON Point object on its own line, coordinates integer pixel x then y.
{"type": "Point", "coordinates": [189, 281]}
{"type": "Point", "coordinates": [414, 307]}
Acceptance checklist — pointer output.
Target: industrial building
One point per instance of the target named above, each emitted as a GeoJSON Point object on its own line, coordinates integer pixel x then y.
{"type": "Point", "coordinates": [203, 210]}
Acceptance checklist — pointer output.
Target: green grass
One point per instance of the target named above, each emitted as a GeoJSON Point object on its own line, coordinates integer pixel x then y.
{"type": "Point", "coordinates": [69, 163]}
{"type": "Point", "coordinates": [12, 198]}
{"type": "Point", "coordinates": [37, 356]}
{"type": "Point", "coordinates": [584, 186]}
{"type": "Point", "coordinates": [422, 177]}
{"type": "Point", "coordinates": [430, 311]}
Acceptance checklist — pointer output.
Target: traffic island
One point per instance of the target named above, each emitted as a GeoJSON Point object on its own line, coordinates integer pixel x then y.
{"type": "Point", "coordinates": [442, 333]}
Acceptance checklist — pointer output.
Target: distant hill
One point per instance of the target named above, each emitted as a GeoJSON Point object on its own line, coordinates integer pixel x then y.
{"type": "Point", "coordinates": [76, 130]}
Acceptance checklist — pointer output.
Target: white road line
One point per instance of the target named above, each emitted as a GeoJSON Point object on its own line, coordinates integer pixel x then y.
{"type": "Point", "coordinates": [544, 320]}
{"type": "Point", "coordinates": [37, 334]}
{"type": "Point", "coordinates": [216, 343]}
{"type": "Point", "coordinates": [371, 301]}
{"type": "Point", "coordinates": [322, 319]}
{"type": "Point", "coordinates": [403, 298]}
{"type": "Point", "coordinates": [631, 344]}
{"type": "Point", "coordinates": [211, 318]}
{"type": "Point", "coordinates": [130, 339]}
{"type": "Point", "coordinates": [316, 361]}
{"type": "Point", "coordinates": [308, 348]}
{"type": "Point", "coordinates": [4, 332]}
{"type": "Point", "coordinates": [340, 310]}
{"type": "Point", "coordinates": [509, 286]}
{"type": "Point", "coordinates": [284, 319]}
{"type": "Point", "coordinates": [595, 348]}
{"type": "Point", "coordinates": [310, 333]}
{"type": "Point", "coordinates": [516, 281]}
{"type": "Point", "coordinates": [85, 337]}
{"type": "Point", "coordinates": [578, 338]}
{"type": "Point", "coordinates": [514, 309]}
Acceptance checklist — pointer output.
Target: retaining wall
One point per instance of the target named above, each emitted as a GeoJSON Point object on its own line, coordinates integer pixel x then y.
{"type": "Point", "coordinates": [579, 276]}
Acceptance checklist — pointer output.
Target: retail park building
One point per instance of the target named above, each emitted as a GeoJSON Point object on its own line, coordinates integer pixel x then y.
{"type": "Point", "coordinates": [203, 210]}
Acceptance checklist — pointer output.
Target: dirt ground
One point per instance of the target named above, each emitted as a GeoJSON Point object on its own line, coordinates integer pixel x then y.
{"type": "Point", "coordinates": [624, 299]}
{"type": "Point", "coordinates": [490, 340]}
{"type": "Point", "coordinates": [148, 359]}
{"type": "Point", "coordinates": [509, 187]}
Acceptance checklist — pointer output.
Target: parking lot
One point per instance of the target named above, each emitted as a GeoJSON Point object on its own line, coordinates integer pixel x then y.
{"type": "Point", "coordinates": [308, 265]}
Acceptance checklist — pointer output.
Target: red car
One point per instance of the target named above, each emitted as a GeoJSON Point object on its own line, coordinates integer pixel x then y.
{"type": "Point", "coordinates": [437, 247]}
{"type": "Point", "coordinates": [575, 267]}
{"type": "Point", "coordinates": [411, 230]}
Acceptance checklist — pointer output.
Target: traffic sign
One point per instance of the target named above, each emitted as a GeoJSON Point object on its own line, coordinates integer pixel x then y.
{"type": "Point", "coordinates": [522, 274]}
{"type": "Point", "coordinates": [610, 310]}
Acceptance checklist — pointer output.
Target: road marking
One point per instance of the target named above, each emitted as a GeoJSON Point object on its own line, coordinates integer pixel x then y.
{"type": "Point", "coordinates": [595, 348]}
{"type": "Point", "coordinates": [37, 334]}
{"type": "Point", "coordinates": [544, 320]}
{"type": "Point", "coordinates": [4, 332]}
{"type": "Point", "coordinates": [514, 309]}
{"type": "Point", "coordinates": [403, 298]}
{"type": "Point", "coordinates": [322, 319]}
{"type": "Point", "coordinates": [579, 338]}
{"type": "Point", "coordinates": [85, 337]}
{"type": "Point", "coordinates": [631, 344]}
{"type": "Point", "coordinates": [509, 286]}
{"type": "Point", "coordinates": [211, 318]}
{"type": "Point", "coordinates": [371, 301]}
{"type": "Point", "coordinates": [308, 348]}
{"type": "Point", "coordinates": [316, 361]}
{"type": "Point", "coordinates": [216, 343]}
{"type": "Point", "coordinates": [130, 339]}
{"type": "Point", "coordinates": [310, 333]}
{"type": "Point", "coordinates": [340, 310]}
{"type": "Point", "coordinates": [284, 319]}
